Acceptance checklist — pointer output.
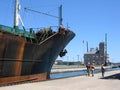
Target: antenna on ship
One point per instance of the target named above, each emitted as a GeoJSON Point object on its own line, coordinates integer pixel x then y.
{"type": "Point", "coordinates": [17, 17]}
{"type": "Point", "coordinates": [60, 15]}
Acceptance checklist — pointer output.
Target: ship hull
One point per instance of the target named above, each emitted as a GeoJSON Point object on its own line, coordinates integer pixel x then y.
{"type": "Point", "coordinates": [21, 58]}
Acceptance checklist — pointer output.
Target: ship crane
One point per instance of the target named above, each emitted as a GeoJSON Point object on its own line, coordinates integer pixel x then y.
{"type": "Point", "coordinates": [59, 17]}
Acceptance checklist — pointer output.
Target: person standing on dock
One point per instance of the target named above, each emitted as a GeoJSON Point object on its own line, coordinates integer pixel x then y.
{"type": "Point", "coordinates": [92, 69]}
{"type": "Point", "coordinates": [102, 70]}
{"type": "Point", "coordinates": [88, 69]}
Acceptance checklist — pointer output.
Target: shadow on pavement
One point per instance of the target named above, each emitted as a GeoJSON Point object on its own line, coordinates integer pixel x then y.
{"type": "Point", "coordinates": [114, 76]}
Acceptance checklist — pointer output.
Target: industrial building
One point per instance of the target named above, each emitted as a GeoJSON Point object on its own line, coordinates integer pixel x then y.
{"type": "Point", "coordinates": [97, 55]}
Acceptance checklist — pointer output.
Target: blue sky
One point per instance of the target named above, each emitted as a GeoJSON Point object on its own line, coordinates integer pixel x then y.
{"type": "Point", "coordinates": [89, 19]}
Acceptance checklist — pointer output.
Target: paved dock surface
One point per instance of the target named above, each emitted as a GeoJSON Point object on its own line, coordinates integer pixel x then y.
{"type": "Point", "coordinates": [72, 83]}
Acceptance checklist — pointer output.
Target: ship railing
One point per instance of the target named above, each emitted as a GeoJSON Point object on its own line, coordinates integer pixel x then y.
{"type": "Point", "coordinates": [44, 33]}
{"type": "Point", "coordinates": [17, 31]}
{"type": "Point", "coordinates": [54, 28]}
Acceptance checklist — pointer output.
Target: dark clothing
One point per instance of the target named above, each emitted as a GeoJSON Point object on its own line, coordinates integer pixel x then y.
{"type": "Point", "coordinates": [103, 71]}
{"type": "Point", "coordinates": [87, 66]}
{"type": "Point", "coordinates": [88, 69]}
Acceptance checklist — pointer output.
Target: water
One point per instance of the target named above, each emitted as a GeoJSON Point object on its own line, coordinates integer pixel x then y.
{"type": "Point", "coordinates": [68, 74]}
{"type": "Point", "coordinates": [80, 73]}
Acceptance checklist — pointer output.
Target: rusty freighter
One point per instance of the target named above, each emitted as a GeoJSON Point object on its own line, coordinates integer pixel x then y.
{"type": "Point", "coordinates": [29, 55]}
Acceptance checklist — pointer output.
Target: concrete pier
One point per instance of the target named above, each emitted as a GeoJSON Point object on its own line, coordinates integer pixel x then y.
{"type": "Point", "coordinates": [72, 83]}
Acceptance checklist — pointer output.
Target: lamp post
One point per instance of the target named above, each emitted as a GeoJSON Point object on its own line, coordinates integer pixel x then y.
{"type": "Point", "coordinates": [78, 60]}
{"type": "Point", "coordinates": [67, 60]}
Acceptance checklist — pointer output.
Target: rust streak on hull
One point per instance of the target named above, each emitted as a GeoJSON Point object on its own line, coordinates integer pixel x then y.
{"type": "Point", "coordinates": [16, 79]}
{"type": "Point", "coordinates": [20, 51]}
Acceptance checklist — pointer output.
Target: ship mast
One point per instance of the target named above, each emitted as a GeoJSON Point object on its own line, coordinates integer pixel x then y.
{"type": "Point", "coordinates": [17, 17]}
{"type": "Point", "coordinates": [60, 15]}
{"type": "Point", "coordinates": [16, 14]}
